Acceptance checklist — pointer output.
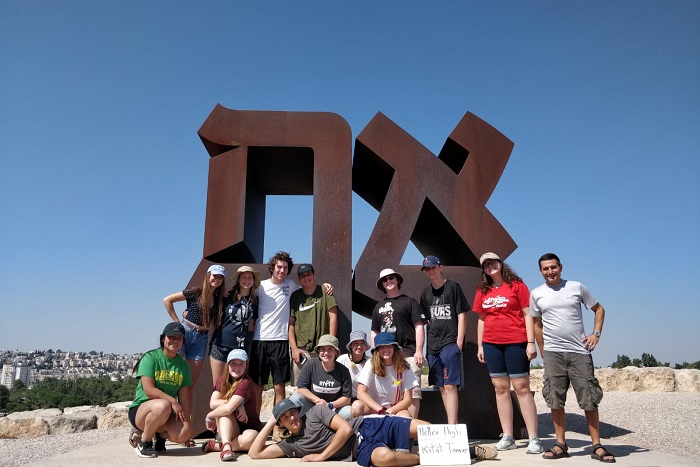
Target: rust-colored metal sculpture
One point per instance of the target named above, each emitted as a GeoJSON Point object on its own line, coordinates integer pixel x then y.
{"type": "Point", "coordinates": [438, 203]}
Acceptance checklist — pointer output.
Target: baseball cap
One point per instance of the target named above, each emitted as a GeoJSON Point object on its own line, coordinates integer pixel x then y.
{"type": "Point", "coordinates": [304, 268]}
{"type": "Point", "coordinates": [385, 338]}
{"type": "Point", "coordinates": [237, 354]}
{"type": "Point", "coordinates": [282, 407]}
{"type": "Point", "coordinates": [327, 339]}
{"type": "Point", "coordinates": [388, 272]}
{"type": "Point", "coordinates": [486, 256]}
{"type": "Point", "coordinates": [430, 261]}
{"type": "Point", "coordinates": [357, 336]}
{"type": "Point", "coordinates": [174, 329]}
{"type": "Point", "coordinates": [217, 269]}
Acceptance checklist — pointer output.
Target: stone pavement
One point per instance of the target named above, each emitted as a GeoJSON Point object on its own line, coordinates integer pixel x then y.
{"type": "Point", "coordinates": [119, 453]}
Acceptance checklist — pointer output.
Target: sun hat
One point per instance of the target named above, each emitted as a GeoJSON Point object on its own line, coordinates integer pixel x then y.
{"type": "Point", "coordinates": [242, 269]}
{"type": "Point", "coordinates": [357, 336]}
{"type": "Point", "coordinates": [388, 272]}
{"type": "Point", "coordinates": [430, 261]}
{"type": "Point", "coordinates": [385, 338]}
{"type": "Point", "coordinates": [217, 269]}
{"type": "Point", "coordinates": [174, 329]}
{"type": "Point", "coordinates": [327, 339]}
{"type": "Point", "coordinates": [486, 256]}
{"type": "Point", "coordinates": [237, 354]}
{"type": "Point", "coordinates": [304, 268]}
{"type": "Point", "coordinates": [282, 407]}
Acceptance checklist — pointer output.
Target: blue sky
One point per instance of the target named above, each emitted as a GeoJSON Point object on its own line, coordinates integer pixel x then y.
{"type": "Point", "coordinates": [103, 192]}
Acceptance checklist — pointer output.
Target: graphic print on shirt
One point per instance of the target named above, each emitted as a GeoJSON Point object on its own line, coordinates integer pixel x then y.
{"type": "Point", "coordinates": [308, 307]}
{"type": "Point", "coordinates": [495, 302]}
{"type": "Point", "coordinates": [387, 315]}
{"type": "Point", "coordinates": [325, 387]}
{"type": "Point", "coordinates": [438, 309]}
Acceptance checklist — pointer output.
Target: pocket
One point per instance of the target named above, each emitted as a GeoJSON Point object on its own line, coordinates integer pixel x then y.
{"type": "Point", "coordinates": [596, 391]}
{"type": "Point", "coordinates": [546, 391]}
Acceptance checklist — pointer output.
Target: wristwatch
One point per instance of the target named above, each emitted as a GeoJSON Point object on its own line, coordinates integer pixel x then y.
{"type": "Point", "coordinates": [596, 333]}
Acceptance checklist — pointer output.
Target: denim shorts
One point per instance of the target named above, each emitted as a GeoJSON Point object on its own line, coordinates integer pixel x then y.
{"type": "Point", "coordinates": [195, 345]}
{"type": "Point", "coordinates": [507, 360]}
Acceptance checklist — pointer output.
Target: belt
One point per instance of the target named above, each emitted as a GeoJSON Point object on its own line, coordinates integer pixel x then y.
{"type": "Point", "coordinates": [194, 327]}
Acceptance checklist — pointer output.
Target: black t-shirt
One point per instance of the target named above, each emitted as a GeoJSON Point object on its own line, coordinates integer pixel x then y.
{"type": "Point", "coordinates": [399, 317]}
{"type": "Point", "coordinates": [328, 385]}
{"type": "Point", "coordinates": [442, 307]}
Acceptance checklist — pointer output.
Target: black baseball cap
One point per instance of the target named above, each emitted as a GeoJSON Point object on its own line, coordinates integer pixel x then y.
{"type": "Point", "coordinates": [304, 268]}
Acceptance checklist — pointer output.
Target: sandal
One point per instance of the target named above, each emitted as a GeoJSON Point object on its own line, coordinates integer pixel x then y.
{"type": "Point", "coordinates": [226, 453]}
{"type": "Point", "coordinates": [210, 446]}
{"type": "Point", "coordinates": [190, 443]}
{"type": "Point", "coordinates": [135, 437]}
{"type": "Point", "coordinates": [602, 457]}
{"type": "Point", "coordinates": [564, 451]}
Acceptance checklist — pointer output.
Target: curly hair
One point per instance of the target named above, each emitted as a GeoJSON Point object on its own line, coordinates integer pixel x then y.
{"type": "Point", "coordinates": [509, 276]}
{"type": "Point", "coordinates": [398, 362]}
{"type": "Point", "coordinates": [280, 256]}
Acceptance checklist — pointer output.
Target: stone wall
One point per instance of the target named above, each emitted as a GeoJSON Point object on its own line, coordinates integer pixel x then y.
{"type": "Point", "coordinates": [76, 419]}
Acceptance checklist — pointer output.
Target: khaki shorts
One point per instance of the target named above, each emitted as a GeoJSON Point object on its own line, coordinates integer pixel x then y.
{"type": "Point", "coordinates": [417, 372]}
{"type": "Point", "coordinates": [564, 368]}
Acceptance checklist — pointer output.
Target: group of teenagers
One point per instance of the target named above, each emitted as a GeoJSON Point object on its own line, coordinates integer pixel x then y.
{"type": "Point", "coordinates": [351, 406]}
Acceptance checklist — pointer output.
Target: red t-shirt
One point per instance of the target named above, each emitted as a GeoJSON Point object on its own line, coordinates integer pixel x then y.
{"type": "Point", "coordinates": [246, 391]}
{"type": "Point", "coordinates": [502, 309]}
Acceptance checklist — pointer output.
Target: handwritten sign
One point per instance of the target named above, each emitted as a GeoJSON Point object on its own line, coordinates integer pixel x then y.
{"type": "Point", "coordinates": [443, 445]}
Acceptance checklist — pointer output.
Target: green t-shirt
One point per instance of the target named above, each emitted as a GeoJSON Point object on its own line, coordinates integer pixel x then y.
{"type": "Point", "coordinates": [170, 374]}
{"type": "Point", "coordinates": [310, 313]}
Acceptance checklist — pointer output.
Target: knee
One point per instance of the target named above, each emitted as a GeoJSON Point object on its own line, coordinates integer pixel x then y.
{"type": "Point", "coordinates": [357, 408]}
{"type": "Point", "coordinates": [450, 389]}
{"type": "Point", "coordinates": [382, 457]}
{"type": "Point", "coordinates": [502, 390]}
{"type": "Point", "coordinates": [160, 407]}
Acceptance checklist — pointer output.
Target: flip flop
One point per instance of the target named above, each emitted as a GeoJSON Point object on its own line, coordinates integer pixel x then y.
{"type": "Point", "coordinates": [602, 457]}
{"type": "Point", "coordinates": [556, 455]}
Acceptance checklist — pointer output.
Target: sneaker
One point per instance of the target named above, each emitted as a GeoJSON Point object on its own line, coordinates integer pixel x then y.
{"type": "Point", "coordinates": [507, 442]}
{"type": "Point", "coordinates": [145, 449]}
{"type": "Point", "coordinates": [535, 446]}
{"type": "Point", "coordinates": [482, 452]}
{"type": "Point", "coordinates": [159, 445]}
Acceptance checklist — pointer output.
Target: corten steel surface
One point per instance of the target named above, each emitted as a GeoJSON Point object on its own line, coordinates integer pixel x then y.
{"type": "Point", "coordinates": [439, 204]}
{"type": "Point", "coordinates": [255, 154]}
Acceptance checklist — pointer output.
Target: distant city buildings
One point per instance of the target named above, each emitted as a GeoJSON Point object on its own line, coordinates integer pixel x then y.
{"type": "Point", "coordinates": [38, 365]}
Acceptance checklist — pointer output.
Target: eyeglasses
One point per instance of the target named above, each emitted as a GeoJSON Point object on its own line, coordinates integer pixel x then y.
{"type": "Point", "coordinates": [489, 263]}
{"type": "Point", "coordinates": [388, 278]}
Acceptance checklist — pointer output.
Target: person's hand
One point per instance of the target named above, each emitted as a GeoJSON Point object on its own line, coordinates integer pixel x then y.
{"type": "Point", "coordinates": [531, 351]}
{"type": "Point", "coordinates": [418, 356]}
{"type": "Point", "coordinates": [184, 314]}
{"type": "Point", "coordinates": [328, 287]}
{"type": "Point", "coordinates": [312, 458]}
{"type": "Point", "coordinates": [480, 354]}
{"type": "Point", "coordinates": [296, 356]}
{"type": "Point", "coordinates": [589, 342]}
{"type": "Point", "coordinates": [321, 402]}
{"type": "Point", "coordinates": [241, 415]}
{"type": "Point", "coordinates": [178, 411]}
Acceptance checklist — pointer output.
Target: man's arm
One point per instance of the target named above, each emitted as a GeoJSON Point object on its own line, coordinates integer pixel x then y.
{"type": "Point", "coordinates": [591, 341]}
{"type": "Point", "coordinates": [420, 340]}
{"type": "Point", "coordinates": [461, 329]}
{"type": "Point", "coordinates": [343, 431]}
{"type": "Point", "coordinates": [539, 337]}
{"type": "Point", "coordinates": [333, 320]}
{"type": "Point", "coordinates": [258, 450]}
{"type": "Point", "coordinates": [291, 335]}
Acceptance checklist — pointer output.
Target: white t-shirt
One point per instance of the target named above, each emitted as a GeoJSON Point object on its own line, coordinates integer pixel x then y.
{"type": "Point", "coordinates": [355, 369]}
{"type": "Point", "coordinates": [562, 318]}
{"type": "Point", "coordinates": [384, 389]}
{"type": "Point", "coordinates": [273, 310]}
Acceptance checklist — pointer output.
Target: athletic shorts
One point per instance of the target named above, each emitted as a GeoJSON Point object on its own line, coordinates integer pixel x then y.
{"type": "Point", "coordinates": [132, 416]}
{"type": "Point", "coordinates": [445, 367]}
{"type": "Point", "coordinates": [379, 431]}
{"type": "Point", "coordinates": [507, 360]}
{"type": "Point", "coordinates": [564, 368]}
{"type": "Point", "coordinates": [417, 372]}
{"type": "Point", "coordinates": [219, 352]}
{"type": "Point", "coordinates": [269, 357]}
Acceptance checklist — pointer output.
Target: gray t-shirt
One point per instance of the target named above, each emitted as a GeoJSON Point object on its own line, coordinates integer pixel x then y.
{"type": "Point", "coordinates": [316, 435]}
{"type": "Point", "coordinates": [328, 385]}
{"type": "Point", "coordinates": [562, 319]}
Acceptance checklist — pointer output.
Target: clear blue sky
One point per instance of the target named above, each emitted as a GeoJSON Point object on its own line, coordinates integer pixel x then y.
{"type": "Point", "coordinates": [103, 192]}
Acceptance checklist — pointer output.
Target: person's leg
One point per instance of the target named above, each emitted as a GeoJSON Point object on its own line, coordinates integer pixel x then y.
{"type": "Point", "coordinates": [225, 425]}
{"type": "Point", "coordinates": [151, 416]}
{"type": "Point", "coordinates": [414, 409]}
{"type": "Point", "coordinates": [280, 367]}
{"type": "Point", "coordinates": [593, 419]}
{"type": "Point", "coordinates": [451, 358]}
{"type": "Point", "coordinates": [450, 399]}
{"type": "Point", "coordinates": [556, 384]}
{"type": "Point", "coordinates": [527, 404]}
{"type": "Point", "coordinates": [217, 361]}
{"type": "Point", "coordinates": [504, 404]}
{"type": "Point", "coordinates": [258, 370]}
{"type": "Point", "coordinates": [385, 457]}
{"type": "Point", "coordinates": [244, 440]}
{"type": "Point", "coordinates": [359, 408]}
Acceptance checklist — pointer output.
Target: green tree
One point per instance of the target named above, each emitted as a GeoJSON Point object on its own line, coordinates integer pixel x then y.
{"type": "Point", "coordinates": [622, 361]}
{"type": "Point", "coordinates": [4, 397]}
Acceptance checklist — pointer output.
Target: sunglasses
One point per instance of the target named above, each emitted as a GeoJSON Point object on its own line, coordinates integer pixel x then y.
{"type": "Point", "coordinates": [388, 278]}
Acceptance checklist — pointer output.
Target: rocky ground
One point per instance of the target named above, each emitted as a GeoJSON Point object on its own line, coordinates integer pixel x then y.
{"type": "Point", "coordinates": [665, 422]}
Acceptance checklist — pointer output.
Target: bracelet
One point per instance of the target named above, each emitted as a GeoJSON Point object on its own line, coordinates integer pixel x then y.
{"type": "Point", "coordinates": [330, 405]}
{"type": "Point", "coordinates": [382, 411]}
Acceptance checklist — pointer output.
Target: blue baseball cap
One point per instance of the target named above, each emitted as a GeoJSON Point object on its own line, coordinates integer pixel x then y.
{"type": "Point", "coordinates": [237, 354]}
{"type": "Point", "coordinates": [430, 261]}
{"type": "Point", "coordinates": [217, 269]}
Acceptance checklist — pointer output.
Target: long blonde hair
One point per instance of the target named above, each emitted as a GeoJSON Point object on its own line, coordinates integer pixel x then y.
{"type": "Point", "coordinates": [205, 308]}
{"type": "Point", "coordinates": [229, 383]}
{"type": "Point", "coordinates": [398, 362]}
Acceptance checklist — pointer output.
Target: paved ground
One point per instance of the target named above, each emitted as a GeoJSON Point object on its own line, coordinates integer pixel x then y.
{"type": "Point", "coordinates": [119, 453]}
